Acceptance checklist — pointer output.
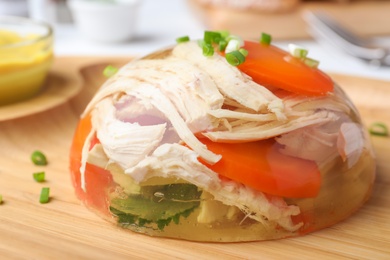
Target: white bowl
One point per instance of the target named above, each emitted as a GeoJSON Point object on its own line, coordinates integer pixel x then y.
{"type": "Point", "coordinates": [105, 21]}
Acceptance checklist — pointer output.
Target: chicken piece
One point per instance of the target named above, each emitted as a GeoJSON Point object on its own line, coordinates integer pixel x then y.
{"type": "Point", "coordinates": [125, 143]}
{"type": "Point", "coordinates": [311, 143]}
{"type": "Point", "coordinates": [191, 91]}
{"type": "Point", "coordinates": [231, 81]}
{"type": "Point", "coordinates": [350, 142]}
{"type": "Point", "coordinates": [149, 93]}
{"type": "Point", "coordinates": [252, 131]}
{"type": "Point", "coordinates": [194, 79]}
{"type": "Point", "coordinates": [295, 104]}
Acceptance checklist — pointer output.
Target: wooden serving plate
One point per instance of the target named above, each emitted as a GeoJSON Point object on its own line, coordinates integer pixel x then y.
{"type": "Point", "coordinates": [65, 229]}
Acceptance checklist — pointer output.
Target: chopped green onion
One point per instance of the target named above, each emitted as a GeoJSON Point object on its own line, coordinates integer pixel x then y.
{"type": "Point", "coordinates": [265, 38]}
{"type": "Point", "coordinates": [224, 34]}
{"type": "Point", "coordinates": [379, 129]}
{"type": "Point", "coordinates": [243, 52]}
{"type": "Point", "coordinates": [312, 63]}
{"type": "Point", "coordinates": [234, 45]}
{"type": "Point", "coordinates": [201, 43]}
{"type": "Point", "coordinates": [44, 198]}
{"type": "Point", "coordinates": [110, 71]}
{"type": "Point", "coordinates": [297, 51]}
{"type": "Point", "coordinates": [230, 44]}
{"type": "Point", "coordinates": [207, 49]}
{"type": "Point", "coordinates": [235, 58]}
{"type": "Point", "coordinates": [211, 37]}
{"type": "Point", "coordinates": [234, 37]}
{"type": "Point", "coordinates": [1, 199]}
{"type": "Point", "coordinates": [38, 158]}
{"type": "Point", "coordinates": [222, 45]}
{"type": "Point", "coordinates": [39, 176]}
{"type": "Point", "coordinates": [183, 39]}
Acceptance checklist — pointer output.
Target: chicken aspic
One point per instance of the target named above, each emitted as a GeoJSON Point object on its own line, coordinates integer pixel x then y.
{"type": "Point", "coordinates": [222, 140]}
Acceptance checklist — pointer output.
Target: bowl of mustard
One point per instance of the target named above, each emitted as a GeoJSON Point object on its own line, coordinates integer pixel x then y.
{"type": "Point", "coordinates": [26, 55]}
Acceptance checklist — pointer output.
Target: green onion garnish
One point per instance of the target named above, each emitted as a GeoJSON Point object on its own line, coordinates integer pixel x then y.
{"type": "Point", "coordinates": [224, 42]}
{"type": "Point", "coordinates": [243, 52]}
{"type": "Point", "coordinates": [211, 37]}
{"type": "Point", "coordinates": [201, 43]}
{"type": "Point", "coordinates": [224, 34]}
{"type": "Point", "coordinates": [1, 199]}
{"type": "Point", "coordinates": [222, 45]}
{"type": "Point", "coordinates": [39, 176]}
{"type": "Point", "coordinates": [297, 51]}
{"type": "Point", "coordinates": [109, 71]}
{"type": "Point", "coordinates": [379, 129]}
{"type": "Point", "coordinates": [235, 58]}
{"type": "Point", "coordinates": [234, 44]}
{"type": "Point", "coordinates": [44, 198]}
{"type": "Point", "coordinates": [265, 38]}
{"type": "Point", "coordinates": [38, 158]}
{"type": "Point", "coordinates": [312, 63]}
{"type": "Point", "coordinates": [183, 39]}
{"type": "Point", "coordinates": [207, 49]}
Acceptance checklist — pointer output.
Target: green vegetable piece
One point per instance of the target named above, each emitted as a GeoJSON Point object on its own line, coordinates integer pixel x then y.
{"type": "Point", "coordinates": [211, 37]}
{"type": "Point", "coordinates": [224, 34]}
{"type": "Point", "coordinates": [162, 223]}
{"type": "Point", "coordinates": [300, 53]}
{"type": "Point", "coordinates": [161, 205]}
{"type": "Point", "coordinates": [39, 176]}
{"type": "Point", "coordinates": [38, 158]}
{"type": "Point", "coordinates": [297, 51]}
{"type": "Point", "coordinates": [222, 45]}
{"type": "Point", "coordinates": [183, 39]}
{"type": "Point", "coordinates": [172, 192]}
{"type": "Point", "coordinates": [44, 198]}
{"type": "Point", "coordinates": [123, 218]}
{"type": "Point", "coordinates": [265, 38]}
{"type": "Point", "coordinates": [201, 43]}
{"type": "Point", "coordinates": [207, 49]}
{"type": "Point", "coordinates": [235, 58]}
{"type": "Point", "coordinates": [176, 218]}
{"type": "Point", "coordinates": [110, 71]}
{"type": "Point", "coordinates": [378, 129]}
{"type": "Point", "coordinates": [312, 63]}
{"type": "Point", "coordinates": [1, 199]}
{"type": "Point", "coordinates": [243, 52]}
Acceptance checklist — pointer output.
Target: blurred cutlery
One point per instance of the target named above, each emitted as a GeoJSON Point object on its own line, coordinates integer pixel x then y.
{"type": "Point", "coordinates": [324, 28]}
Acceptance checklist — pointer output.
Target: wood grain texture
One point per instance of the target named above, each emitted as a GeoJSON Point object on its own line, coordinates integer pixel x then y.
{"type": "Point", "coordinates": [65, 229]}
{"type": "Point", "coordinates": [366, 18]}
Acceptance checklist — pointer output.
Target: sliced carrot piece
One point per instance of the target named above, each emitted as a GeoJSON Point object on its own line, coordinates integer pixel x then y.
{"type": "Point", "coordinates": [261, 166]}
{"type": "Point", "coordinates": [272, 67]}
{"type": "Point", "coordinates": [98, 180]}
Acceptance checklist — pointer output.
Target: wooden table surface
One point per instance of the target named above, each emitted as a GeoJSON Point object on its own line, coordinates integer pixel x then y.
{"type": "Point", "coordinates": [65, 229]}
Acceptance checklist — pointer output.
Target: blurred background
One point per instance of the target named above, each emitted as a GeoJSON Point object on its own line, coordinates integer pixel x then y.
{"type": "Point", "coordinates": [136, 27]}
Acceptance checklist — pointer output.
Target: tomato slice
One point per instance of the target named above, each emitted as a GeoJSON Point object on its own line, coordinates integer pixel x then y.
{"type": "Point", "coordinates": [261, 166]}
{"type": "Point", "coordinates": [97, 179]}
{"type": "Point", "coordinates": [272, 67]}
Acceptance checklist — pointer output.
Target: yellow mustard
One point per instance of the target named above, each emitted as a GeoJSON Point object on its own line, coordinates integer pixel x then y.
{"type": "Point", "coordinates": [24, 64]}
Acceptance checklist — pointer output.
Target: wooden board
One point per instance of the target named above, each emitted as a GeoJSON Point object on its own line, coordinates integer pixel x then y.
{"type": "Point", "coordinates": [64, 228]}
{"type": "Point", "coordinates": [366, 18]}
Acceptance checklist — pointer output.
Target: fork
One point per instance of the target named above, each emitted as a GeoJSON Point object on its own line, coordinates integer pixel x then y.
{"type": "Point", "coordinates": [324, 28]}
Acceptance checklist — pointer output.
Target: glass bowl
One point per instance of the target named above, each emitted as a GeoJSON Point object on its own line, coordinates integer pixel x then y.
{"type": "Point", "coordinates": [26, 54]}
